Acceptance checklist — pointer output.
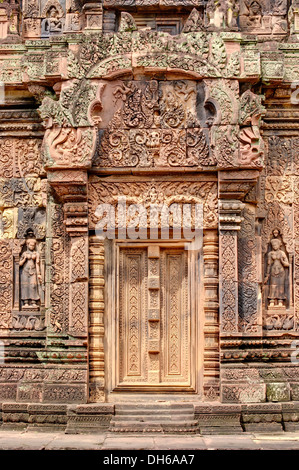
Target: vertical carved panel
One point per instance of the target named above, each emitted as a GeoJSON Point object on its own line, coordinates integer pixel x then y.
{"type": "Point", "coordinates": [134, 326]}
{"type": "Point", "coordinates": [173, 315]}
{"type": "Point", "coordinates": [5, 284]}
{"type": "Point", "coordinates": [175, 366]}
{"type": "Point", "coordinates": [58, 268]}
{"type": "Point", "coordinates": [279, 196]}
{"type": "Point", "coordinates": [229, 219]}
{"type": "Point", "coordinates": [78, 286]}
{"type": "Point", "coordinates": [249, 311]}
{"type": "Point", "coordinates": [228, 281]}
{"type": "Point", "coordinates": [78, 258]}
{"type": "Point", "coordinates": [78, 308]}
{"type": "Point", "coordinates": [132, 316]}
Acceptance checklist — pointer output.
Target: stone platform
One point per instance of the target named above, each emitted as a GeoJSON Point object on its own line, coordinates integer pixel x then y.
{"type": "Point", "coordinates": [179, 418]}
{"type": "Point", "coordinates": [32, 440]}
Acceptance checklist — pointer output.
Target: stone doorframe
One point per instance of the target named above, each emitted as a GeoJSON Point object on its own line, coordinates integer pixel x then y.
{"type": "Point", "coordinates": [101, 312]}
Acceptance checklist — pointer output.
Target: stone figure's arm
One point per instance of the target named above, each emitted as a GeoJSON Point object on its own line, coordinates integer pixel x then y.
{"type": "Point", "coordinates": [23, 259]}
{"type": "Point", "coordinates": [269, 263]}
{"type": "Point", "coordinates": [38, 270]}
{"type": "Point", "coordinates": [285, 260]}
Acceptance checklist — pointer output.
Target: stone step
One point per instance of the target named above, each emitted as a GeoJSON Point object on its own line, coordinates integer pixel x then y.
{"type": "Point", "coordinates": [136, 427]}
{"type": "Point", "coordinates": [154, 406]}
{"type": "Point", "coordinates": [152, 418]}
{"type": "Point", "coordinates": [155, 421]}
{"type": "Point", "coordinates": [130, 411]}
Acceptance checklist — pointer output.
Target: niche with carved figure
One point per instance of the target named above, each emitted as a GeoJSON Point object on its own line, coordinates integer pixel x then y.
{"type": "Point", "coordinates": [29, 299]}
{"type": "Point", "coordinates": [279, 312]}
{"type": "Point", "coordinates": [53, 19]}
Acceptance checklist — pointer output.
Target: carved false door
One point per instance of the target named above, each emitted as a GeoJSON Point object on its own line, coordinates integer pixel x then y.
{"type": "Point", "coordinates": [156, 319]}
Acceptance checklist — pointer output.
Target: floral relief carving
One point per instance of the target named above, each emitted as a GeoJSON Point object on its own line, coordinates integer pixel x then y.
{"type": "Point", "coordinates": [5, 284]}
{"type": "Point", "coordinates": [156, 194]}
{"type": "Point", "coordinates": [247, 273]}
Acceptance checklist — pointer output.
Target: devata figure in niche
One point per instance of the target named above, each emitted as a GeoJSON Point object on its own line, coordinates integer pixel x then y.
{"type": "Point", "coordinates": [252, 14]}
{"type": "Point", "coordinates": [276, 274]}
{"type": "Point", "coordinates": [30, 275]}
{"type": "Point", "coordinates": [52, 24]}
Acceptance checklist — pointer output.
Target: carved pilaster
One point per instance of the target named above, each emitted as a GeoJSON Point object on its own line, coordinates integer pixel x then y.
{"type": "Point", "coordinates": [96, 320]}
{"type": "Point", "coordinates": [230, 220]}
{"type": "Point", "coordinates": [70, 187]}
{"type": "Point", "coordinates": [211, 312]}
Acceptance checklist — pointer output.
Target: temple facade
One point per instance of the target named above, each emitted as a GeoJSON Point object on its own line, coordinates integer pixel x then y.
{"type": "Point", "coordinates": [149, 215]}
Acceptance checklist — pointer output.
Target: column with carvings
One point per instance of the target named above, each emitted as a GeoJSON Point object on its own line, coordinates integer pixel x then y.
{"type": "Point", "coordinates": [96, 320]}
{"type": "Point", "coordinates": [211, 313]}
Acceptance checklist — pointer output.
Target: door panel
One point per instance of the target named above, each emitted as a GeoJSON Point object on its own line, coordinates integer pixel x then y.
{"type": "Point", "coordinates": [154, 319]}
{"type": "Point", "coordinates": [132, 316]}
{"type": "Point", "coordinates": [175, 321]}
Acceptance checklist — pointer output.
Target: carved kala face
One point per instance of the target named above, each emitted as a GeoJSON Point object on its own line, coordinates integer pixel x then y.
{"type": "Point", "coordinates": [153, 140]}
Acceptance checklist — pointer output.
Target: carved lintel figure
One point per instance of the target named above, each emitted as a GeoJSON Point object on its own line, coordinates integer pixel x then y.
{"type": "Point", "coordinates": [30, 275]}
{"type": "Point", "coordinates": [52, 24]}
{"type": "Point", "coordinates": [278, 7]}
{"type": "Point", "coordinates": [254, 19]}
{"type": "Point", "coordinates": [277, 263]}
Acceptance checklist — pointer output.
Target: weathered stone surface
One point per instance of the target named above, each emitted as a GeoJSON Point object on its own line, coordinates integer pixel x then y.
{"type": "Point", "coordinates": [262, 417]}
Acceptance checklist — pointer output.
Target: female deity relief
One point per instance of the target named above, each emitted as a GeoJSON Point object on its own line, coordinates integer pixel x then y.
{"type": "Point", "coordinates": [277, 264]}
{"type": "Point", "coordinates": [30, 275]}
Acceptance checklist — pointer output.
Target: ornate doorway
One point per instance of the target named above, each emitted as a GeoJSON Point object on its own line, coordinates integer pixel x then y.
{"type": "Point", "coordinates": [153, 333]}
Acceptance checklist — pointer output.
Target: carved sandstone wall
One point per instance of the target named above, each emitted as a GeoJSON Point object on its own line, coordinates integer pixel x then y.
{"type": "Point", "coordinates": [170, 102]}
